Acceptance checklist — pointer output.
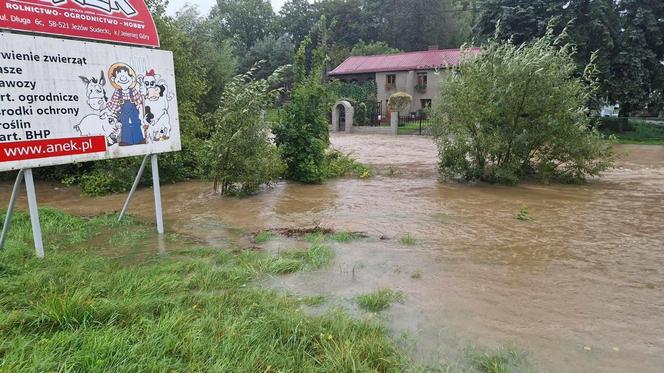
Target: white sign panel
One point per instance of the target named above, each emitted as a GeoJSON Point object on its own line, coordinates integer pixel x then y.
{"type": "Point", "coordinates": [64, 101]}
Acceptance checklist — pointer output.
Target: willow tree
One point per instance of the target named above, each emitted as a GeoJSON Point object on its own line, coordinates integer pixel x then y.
{"type": "Point", "coordinates": [240, 156]}
{"type": "Point", "coordinates": [519, 110]}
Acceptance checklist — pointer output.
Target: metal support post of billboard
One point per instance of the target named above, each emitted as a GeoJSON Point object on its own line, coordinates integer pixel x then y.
{"type": "Point", "coordinates": [34, 213]}
{"type": "Point", "coordinates": [157, 194]}
{"type": "Point", "coordinates": [155, 186]}
{"type": "Point", "coordinates": [10, 209]}
{"type": "Point", "coordinates": [32, 205]}
{"type": "Point", "coordinates": [133, 188]}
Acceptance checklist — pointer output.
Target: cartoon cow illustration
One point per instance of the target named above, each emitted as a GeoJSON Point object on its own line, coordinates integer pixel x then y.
{"type": "Point", "coordinates": [157, 99]}
{"type": "Point", "coordinates": [102, 122]}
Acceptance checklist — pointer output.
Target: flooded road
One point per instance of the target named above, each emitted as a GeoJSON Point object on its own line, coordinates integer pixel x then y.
{"type": "Point", "coordinates": [580, 287]}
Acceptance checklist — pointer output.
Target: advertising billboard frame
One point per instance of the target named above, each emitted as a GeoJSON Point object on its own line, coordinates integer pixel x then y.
{"type": "Point", "coordinates": [26, 175]}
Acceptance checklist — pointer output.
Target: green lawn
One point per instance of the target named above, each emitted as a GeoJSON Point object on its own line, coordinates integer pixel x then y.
{"type": "Point", "coordinates": [85, 309]}
{"type": "Point", "coordinates": [413, 128]}
{"type": "Point", "coordinates": [643, 133]}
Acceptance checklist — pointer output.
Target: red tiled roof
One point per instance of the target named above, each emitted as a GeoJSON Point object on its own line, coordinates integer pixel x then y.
{"type": "Point", "coordinates": [424, 60]}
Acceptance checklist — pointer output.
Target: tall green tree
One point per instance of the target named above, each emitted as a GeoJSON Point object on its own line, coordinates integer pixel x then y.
{"type": "Point", "coordinates": [372, 48]}
{"type": "Point", "coordinates": [418, 24]}
{"type": "Point", "coordinates": [272, 52]}
{"type": "Point", "coordinates": [296, 18]}
{"type": "Point", "coordinates": [627, 35]}
{"type": "Point", "coordinates": [244, 21]}
{"type": "Point", "coordinates": [216, 56]}
{"type": "Point", "coordinates": [346, 20]}
{"type": "Point", "coordinates": [638, 74]}
{"type": "Point", "coordinates": [520, 21]}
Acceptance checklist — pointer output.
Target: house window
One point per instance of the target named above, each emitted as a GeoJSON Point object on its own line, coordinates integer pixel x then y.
{"type": "Point", "coordinates": [425, 103]}
{"type": "Point", "coordinates": [390, 81]}
{"type": "Point", "coordinates": [422, 81]}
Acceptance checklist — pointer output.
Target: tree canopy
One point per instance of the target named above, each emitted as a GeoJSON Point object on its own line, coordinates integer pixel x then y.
{"type": "Point", "coordinates": [628, 36]}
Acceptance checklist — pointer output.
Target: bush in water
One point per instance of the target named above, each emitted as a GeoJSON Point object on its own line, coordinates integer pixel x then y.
{"type": "Point", "coordinates": [241, 157]}
{"type": "Point", "coordinates": [515, 111]}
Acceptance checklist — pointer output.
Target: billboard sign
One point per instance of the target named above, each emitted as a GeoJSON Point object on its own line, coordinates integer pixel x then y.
{"type": "Point", "coordinates": [118, 21]}
{"type": "Point", "coordinates": [65, 101]}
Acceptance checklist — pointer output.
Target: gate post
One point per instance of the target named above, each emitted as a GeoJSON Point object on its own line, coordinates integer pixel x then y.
{"type": "Point", "coordinates": [394, 122]}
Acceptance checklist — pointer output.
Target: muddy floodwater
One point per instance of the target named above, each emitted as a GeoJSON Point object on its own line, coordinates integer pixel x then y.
{"type": "Point", "coordinates": [580, 287]}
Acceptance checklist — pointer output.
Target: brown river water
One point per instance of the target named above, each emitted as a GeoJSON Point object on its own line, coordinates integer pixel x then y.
{"type": "Point", "coordinates": [580, 287]}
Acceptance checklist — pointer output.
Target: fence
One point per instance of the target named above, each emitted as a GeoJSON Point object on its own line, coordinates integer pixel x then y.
{"type": "Point", "coordinates": [373, 117]}
{"type": "Point", "coordinates": [415, 124]}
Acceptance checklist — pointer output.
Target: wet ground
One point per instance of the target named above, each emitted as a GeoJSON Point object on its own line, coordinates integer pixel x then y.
{"type": "Point", "coordinates": [580, 287]}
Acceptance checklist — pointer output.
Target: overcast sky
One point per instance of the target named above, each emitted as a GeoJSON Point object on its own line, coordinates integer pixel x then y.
{"type": "Point", "coordinates": [205, 5]}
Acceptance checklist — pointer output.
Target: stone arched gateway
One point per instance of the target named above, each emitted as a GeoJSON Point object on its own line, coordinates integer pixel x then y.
{"type": "Point", "coordinates": [342, 117]}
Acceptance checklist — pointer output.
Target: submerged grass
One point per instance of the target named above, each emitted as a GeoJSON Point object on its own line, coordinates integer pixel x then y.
{"type": "Point", "coordinates": [379, 300]}
{"type": "Point", "coordinates": [408, 240]}
{"type": "Point", "coordinates": [264, 236]}
{"type": "Point", "coordinates": [342, 237]}
{"type": "Point", "coordinates": [503, 360]}
{"type": "Point", "coordinates": [198, 310]}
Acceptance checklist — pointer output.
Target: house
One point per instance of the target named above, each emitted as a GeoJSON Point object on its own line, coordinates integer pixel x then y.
{"type": "Point", "coordinates": [415, 73]}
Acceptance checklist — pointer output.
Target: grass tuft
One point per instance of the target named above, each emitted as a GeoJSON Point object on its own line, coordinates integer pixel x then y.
{"type": "Point", "coordinates": [263, 236]}
{"type": "Point", "coordinates": [379, 300]}
{"type": "Point", "coordinates": [408, 240]}
{"type": "Point", "coordinates": [342, 237]}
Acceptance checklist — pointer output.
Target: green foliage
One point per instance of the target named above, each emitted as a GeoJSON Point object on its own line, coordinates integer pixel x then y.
{"type": "Point", "coordinates": [244, 22]}
{"type": "Point", "coordinates": [361, 96]}
{"type": "Point", "coordinates": [515, 111]}
{"type": "Point", "coordinates": [499, 361]}
{"type": "Point", "coordinates": [263, 236]}
{"type": "Point", "coordinates": [379, 300]}
{"type": "Point", "coordinates": [626, 36]}
{"type": "Point", "coordinates": [241, 157]}
{"type": "Point", "coordinates": [271, 52]}
{"type": "Point", "coordinates": [408, 240]}
{"type": "Point", "coordinates": [399, 101]}
{"type": "Point", "coordinates": [372, 48]}
{"type": "Point", "coordinates": [296, 18]}
{"type": "Point", "coordinates": [303, 132]}
{"type": "Point", "coordinates": [524, 214]}
{"type": "Point", "coordinates": [415, 25]}
{"type": "Point", "coordinates": [338, 164]}
{"type": "Point", "coordinates": [315, 257]}
{"type": "Point", "coordinates": [198, 310]}
{"type": "Point", "coordinates": [639, 132]}
{"type": "Point", "coordinates": [342, 237]}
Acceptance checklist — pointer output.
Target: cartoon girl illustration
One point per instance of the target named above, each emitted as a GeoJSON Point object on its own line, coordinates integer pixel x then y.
{"type": "Point", "coordinates": [127, 102]}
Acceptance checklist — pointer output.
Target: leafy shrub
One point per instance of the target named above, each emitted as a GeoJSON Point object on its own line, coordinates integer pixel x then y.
{"type": "Point", "coordinates": [620, 124]}
{"type": "Point", "coordinates": [399, 101]}
{"type": "Point", "coordinates": [514, 111]}
{"type": "Point", "coordinates": [303, 132]}
{"type": "Point", "coordinates": [241, 157]}
{"type": "Point", "coordinates": [338, 164]}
